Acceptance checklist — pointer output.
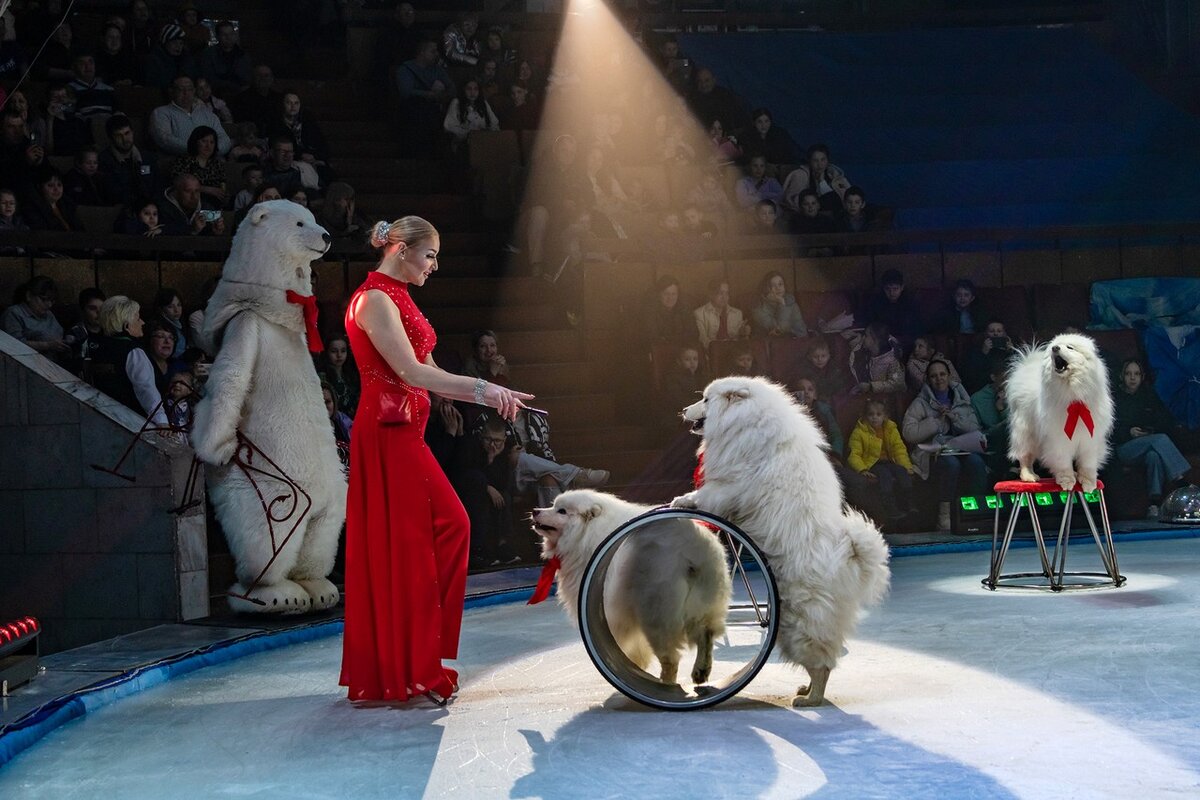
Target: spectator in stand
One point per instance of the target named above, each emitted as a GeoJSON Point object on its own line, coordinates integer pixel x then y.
{"type": "Point", "coordinates": [830, 378]}
{"type": "Point", "coordinates": [818, 175]}
{"type": "Point", "coordinates": [808, 395]}
{"type": "Point", "coordinates": [159, 343]}
{"type": "Point", "coordinates": [666, 320]}
{"type": "Point", "coordinates": [403, 36]}
{"type": "Point", "coordinates": [18, 103]}
{"type": "Point", "coordinates": [120, 367]}
{"type": "Point", "coordinates": [21, 153]}
{"type": "Point", "coordinates": [126, 176]}
{"type": "Point", "coordinates": [777, 313]}
{"type": "Point", "coordinates": [522, 112]}
{"type": "Point", "coordinates": [555, 198]}
{"type": "Point", "coordinates": [168, 309]}
{"type": "Point", "coordinates": [83, 184]}
{"type": "Point", "coordinates": [975, 364]}
{"type": "Point", "coordinates": [489, 84]}
{"type": "Point", "coordinates": [31, 321]}
{"type": "Point", "coordinates": [338, 214]}
{"type": "Point", "coordinates": [925, 350]}
{"type": "Point", "coordinates": [54, 63]}
{"type": "Point", "coordinates": [495, 49]}
{"type": "Point", "coordinates": [183, 210]}
{"type": "Point", "coordinates": [298, 196]}
{"type": "Point", "coordinates": [893, 307]}
{"type": "Point", "coordinates": [282, 170]}
{"type": "Point", "coordinates": [765, 138]}
{"type": "Point", "coordinates": [247, 147]}
{"type": "Point", "coordinates": [115, 65]}
{"type": "Point", "coordinates": [765, 220]}
{"type": "Point", "coordinates": [177, 404]}
{"type": "Point", "coordinates": [141, 219]}
{"type": "Point", "coordinates": [425, 89]}
{"type": "Point", "coordinates": [469, 112]}
{"type": "Point", "coordinates": [93, 97]}
{"type": "Point", "coordinates": [338, 370]}
{"type": "Point", "coordinates": [11, 221]}
{"type": "Point", "coordinates": [202, 161]}
{"type": "Point", "coordinates": [485, 360]}
{"type": "Point", "coordinates": [13, 61]}
{"type": "Point", "coordinates": [171, 125]}
{"type": "Point", "coordinates": [875, 363]}
{"type": "Point", "coordinates": [48, 210]}
{"type": "Point", "coordinates": [716, 320]}
{"type": "Point", "coordinates": [991, 407]}
{"type": "Point", "coordinates": [312, 148]}
{"type": "Point", "coordinates": [530, 78]}
{"type": "Point", "coordinates": [961, 314]}
{"type": "Point", "coordinates": [205, 97]}
{"type": "Point", "coordinates": [261, 102]}
{"type": "Point", "coordinates": [483, 476]}
{"type": "Point", "coordinates": [460, 48]}
{"type": "Point", "coordinates": [59, 130]}
{"type": "Point", "coordinates": [811, 220]}
{"type": "Point", "coordinates": [856, 215]}
{"type": "Point", "coordinates": [725, 148]}
{"type": "Point", "coordinates": [682, 384]}
{"type": "Point", "coordinates": [1142, 431]}
{"type": "Point", "coordinates": [82, 338]}
{"type": "Point", "coordinates": [877, 453]}
{"type": "Point", "coordinates": [170, 59]}
{"type": "Point", "coordinates": [225, 64]}
{"type": "Point", "coordinates": [267, 191]}
{"type": "Point", "coordinates": [709, 101]}
{"type": "Point", "coordinates": [195, 32]}
{"type": "Point", "coordinates": [141, 33]}
{"type": "Point", "coordinates": [676, 68]}
{"type": "Point", "coordinates": [940, 412]}
{"type": "Point", "coordinates": [757, 185]}
{"type": "Point", "coordinates": [710, 196]}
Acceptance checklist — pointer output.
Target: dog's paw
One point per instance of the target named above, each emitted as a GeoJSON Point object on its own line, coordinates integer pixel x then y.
{"type": "Point", "coordinates": [700, 675]}
{"type": "Point", "coordinates": [807, 701]}
{"type": "Point", "coordinates": [1029, 476]}
{"type": "Point", "coordinates": [685, 501]}
{"type": "Point", "coordinates": [1065, 480]}
{"type": "Point", "coordinates": [1087, 481]}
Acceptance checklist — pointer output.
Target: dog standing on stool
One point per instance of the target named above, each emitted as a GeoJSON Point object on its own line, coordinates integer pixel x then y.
{"type": "Point", "coordinates": [1060, 411]}
{"type": "Point", "coordinates": [766, 470]}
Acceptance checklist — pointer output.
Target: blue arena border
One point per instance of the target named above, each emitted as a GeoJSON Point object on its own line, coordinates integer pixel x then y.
{"type": "Point", "coordinates": [22, 734]}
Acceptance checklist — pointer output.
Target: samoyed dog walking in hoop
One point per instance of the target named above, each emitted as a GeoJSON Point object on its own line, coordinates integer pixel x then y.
{"type": "Point", "coordinates": [1060, 411]}
{"type": "Point", "coordinates": [665, 589]}
{"type": "Point", "coordinates": [765, 469]}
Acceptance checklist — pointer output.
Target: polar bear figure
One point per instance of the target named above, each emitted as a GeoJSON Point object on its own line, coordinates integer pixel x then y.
{"type": "Point", "coordinates": [263, 384]}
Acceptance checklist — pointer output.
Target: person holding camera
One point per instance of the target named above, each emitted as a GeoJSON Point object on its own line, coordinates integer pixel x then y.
{"type": "Point", "coordinates": [182, 211]}
{"type": "Point", "coordinates": [995, 343]}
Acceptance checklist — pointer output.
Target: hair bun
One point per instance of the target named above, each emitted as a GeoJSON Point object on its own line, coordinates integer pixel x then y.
{"type": "Point", "coordinates": [379, 234]}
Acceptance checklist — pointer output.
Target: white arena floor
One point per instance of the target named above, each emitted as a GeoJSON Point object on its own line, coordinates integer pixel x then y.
{"type": "Point", "coordinates": [947, 691]}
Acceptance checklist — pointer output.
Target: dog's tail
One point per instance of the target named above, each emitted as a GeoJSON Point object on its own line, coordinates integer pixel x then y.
{"type": "Point", "coordinates": [868, 557]}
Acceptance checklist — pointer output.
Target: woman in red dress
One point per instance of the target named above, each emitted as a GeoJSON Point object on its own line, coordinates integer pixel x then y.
{"type": "Point", "coordinates": [407, 535]}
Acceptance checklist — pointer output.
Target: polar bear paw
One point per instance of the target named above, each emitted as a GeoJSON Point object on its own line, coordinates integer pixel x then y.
{"type": "Point", "coordinates": [321, 592]}
{"type": "Point", "coordinates": [284, 597]}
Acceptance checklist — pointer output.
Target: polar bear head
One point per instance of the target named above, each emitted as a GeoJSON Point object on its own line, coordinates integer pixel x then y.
{"type": "Point", "coordinates": [272, 254]}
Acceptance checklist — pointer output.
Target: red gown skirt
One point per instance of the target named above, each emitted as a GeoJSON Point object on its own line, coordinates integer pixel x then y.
{"type": "Point", "coordinates": [407, 540]}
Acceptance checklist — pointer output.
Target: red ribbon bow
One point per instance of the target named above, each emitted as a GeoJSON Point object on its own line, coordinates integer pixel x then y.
{"type": "Point", "coordinates": [308, 303]}
{"type": "Point", "coordinates": [544, 581]}
{"type": "Point", "coordinates": [1075, 412]}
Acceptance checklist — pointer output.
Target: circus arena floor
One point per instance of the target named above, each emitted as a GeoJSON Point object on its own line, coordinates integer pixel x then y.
{"type": "Point", "coordinates": [946, 691]}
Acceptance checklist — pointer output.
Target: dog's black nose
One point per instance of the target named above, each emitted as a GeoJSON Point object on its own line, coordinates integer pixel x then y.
{"type": "Point", "coordinates": [1055, 349]}
{"type": "Point", "coordinates": [327, 238]}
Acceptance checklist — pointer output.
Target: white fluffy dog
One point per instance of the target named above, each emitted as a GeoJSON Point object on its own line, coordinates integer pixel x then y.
{"type": "Point", "coordinates": [666, 588]}
{"type": "Point", "coordinates": [766, 470]}
{"type": "Point", "coordinates": [1060, 411]}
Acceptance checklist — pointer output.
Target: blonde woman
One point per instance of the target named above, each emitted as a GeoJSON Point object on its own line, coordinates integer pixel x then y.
{"type": "Point", "coordinates": [120, 367]}
{"type": "Point", "coordinates": [407, 534]}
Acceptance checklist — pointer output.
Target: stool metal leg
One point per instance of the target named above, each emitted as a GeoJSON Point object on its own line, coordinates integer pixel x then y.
{"type": "Point", "coordinates": [1108, 537]}
{"type": "Point", "coordinates": [1108, 550]}
{"type": "Point", "coordinates": [999, 552]}
{"type": "Point", "coordinates": [1038, 536]}
{"type": "Point", "coordinates": [1060, 548]}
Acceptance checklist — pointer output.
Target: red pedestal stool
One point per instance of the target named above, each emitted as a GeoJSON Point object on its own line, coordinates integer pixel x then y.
{"type": "Point", "coordinates": [1054, 575]}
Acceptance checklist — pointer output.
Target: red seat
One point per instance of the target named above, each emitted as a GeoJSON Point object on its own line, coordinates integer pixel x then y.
{"type": "Point", "coordinates": [1043, 485]}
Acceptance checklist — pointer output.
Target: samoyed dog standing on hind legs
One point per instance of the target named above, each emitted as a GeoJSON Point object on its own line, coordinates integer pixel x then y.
{"type": "Point", "coordinates": [765, 469]}
{"type": "Point", "coordinates": [1060, 411]}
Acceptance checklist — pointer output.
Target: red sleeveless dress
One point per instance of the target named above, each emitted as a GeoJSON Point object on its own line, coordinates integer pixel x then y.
{"type": "Point", "coordinates": [407, 534]}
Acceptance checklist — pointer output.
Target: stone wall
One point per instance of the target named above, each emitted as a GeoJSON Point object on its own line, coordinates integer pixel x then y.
{"type": "Point", "coordinates": [90, 554]}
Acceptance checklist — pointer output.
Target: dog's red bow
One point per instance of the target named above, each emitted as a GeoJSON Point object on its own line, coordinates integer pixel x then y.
{"type": "Point", "coordinates": [308, 304]}
{"type": "Point", "coordinates": [1075, 412]}
{"type": "Point", "coordinates": [544, 581]}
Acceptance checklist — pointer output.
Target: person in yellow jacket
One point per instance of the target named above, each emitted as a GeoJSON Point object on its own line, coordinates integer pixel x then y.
{"type": "Point", "coordinates": [878, 453]}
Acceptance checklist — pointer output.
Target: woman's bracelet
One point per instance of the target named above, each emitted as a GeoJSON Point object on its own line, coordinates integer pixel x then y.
{"type": "Point", "coordinates": [480, 388]}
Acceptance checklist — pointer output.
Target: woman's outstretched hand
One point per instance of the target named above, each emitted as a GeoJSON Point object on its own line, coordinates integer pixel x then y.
{"type": "Point", "coordinates": [506, 401]}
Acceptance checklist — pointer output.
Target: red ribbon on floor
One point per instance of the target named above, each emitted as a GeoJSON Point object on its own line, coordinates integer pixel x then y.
{"type": "Point", "coordinates": [544, 581]}
{"type": "Point", "coordinates": [1075, 412]}
{"type": "Point", "coordinates": [308, 304]}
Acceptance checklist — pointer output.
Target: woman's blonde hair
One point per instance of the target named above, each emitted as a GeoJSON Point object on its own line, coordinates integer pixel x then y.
{"type": "Point", "coordinates": [117, 312]}
{"type": "Point", "coordinates": [410, 230]}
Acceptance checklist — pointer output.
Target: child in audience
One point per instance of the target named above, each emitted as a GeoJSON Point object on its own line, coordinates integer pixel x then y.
{"type": "Point", "coordinates": [830, 379]}
{"type": "Point", "coordinates": [246, 144]}
{"type": "Point", "coordinates": [177, 404]}
{"type": "Point", "coordinates": [10, 220]}
{"type": "Point", "coordinates": [743, 361]}
{"type": "Point", "coordinates": [875, 362]}
{"type": "Point", "coordinates": [923, 352]}
{"type": "Point", "coordinates": [683, 382]}
{"type": "Point", "coordinates": [252, 177]}
{"type": "Point", "coordinates": [877, 454]}
{"type": "Point", "coordinates": [806, 393]}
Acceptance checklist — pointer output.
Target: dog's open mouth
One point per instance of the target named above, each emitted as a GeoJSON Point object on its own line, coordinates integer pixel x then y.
{"type": "Point", "coordinates": [544, 528]}
{"type": "Point", "coordinates": [698, 425]}
{"type": "Point", "coordinates": [1060, 364]}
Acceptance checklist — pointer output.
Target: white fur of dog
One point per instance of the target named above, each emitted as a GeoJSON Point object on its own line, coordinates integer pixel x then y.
{"type": "Point", "coordinates": [766, 470]}
{"type": "Point", "coordinates": [1042, 382]}
{"type": "Point", "coordinates": [666, 588]}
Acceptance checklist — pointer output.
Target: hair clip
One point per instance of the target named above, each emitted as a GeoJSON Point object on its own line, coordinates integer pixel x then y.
{"type": "Point", "coordinates": [379, 233]}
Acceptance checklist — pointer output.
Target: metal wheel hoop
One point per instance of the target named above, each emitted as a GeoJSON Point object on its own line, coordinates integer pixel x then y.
{"type": "Point", "coordinates": [611, 660]}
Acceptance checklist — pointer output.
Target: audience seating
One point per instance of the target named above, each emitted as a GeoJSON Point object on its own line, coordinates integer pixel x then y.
{"type": "Point", "coordinates": [1057, 305]}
